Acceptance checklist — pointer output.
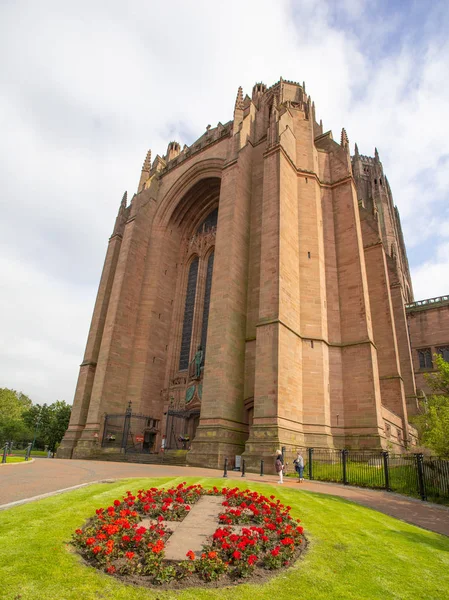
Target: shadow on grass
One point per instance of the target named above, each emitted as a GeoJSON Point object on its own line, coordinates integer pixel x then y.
{"type": "Point", "coordinates": [438, 543]}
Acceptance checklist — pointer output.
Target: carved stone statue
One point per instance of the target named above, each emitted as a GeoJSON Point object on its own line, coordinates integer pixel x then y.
{"type": "Point", "coordinates": [198, 361]}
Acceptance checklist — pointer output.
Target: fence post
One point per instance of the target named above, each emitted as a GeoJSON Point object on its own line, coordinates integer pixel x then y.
{"type": "Point", "coordinates": [310, 450]}
{"type": "Point", "coordinates": [344, 457]}
{"type": "Point", "coordinates": [243, 467]}
{"type": "Point", "coordinates": [421, 482]}
{"type": "Point", "coordinates": [385, 456]}
{"type": "Point", "coordinates": [225, 470]}
{"type": "Point", "coordinates": [5, 452]}
{"type": "Point", "coordinates": [28, 451]}
{"type": "Point", "coordinates": [126, 426]}
{"type": "Point", "coordinates": [261, 468]}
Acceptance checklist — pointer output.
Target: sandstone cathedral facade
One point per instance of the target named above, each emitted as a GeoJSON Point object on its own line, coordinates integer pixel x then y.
{"type": "Point", "coordinates": [253, 296]}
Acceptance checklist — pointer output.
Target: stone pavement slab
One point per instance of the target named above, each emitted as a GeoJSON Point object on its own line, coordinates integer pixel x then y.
{"type": "Point", "coordinates": [195, 529]}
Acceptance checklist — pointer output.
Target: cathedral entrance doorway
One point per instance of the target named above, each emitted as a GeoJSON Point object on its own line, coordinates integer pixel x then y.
{"type": "Point", "coordinates": [187, 347]}
{"type": "Point", "coordinates": [181, 428]}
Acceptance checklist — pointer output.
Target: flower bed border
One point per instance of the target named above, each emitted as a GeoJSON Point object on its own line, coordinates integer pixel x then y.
{"type": "Point", "coordinates": [270, 539]}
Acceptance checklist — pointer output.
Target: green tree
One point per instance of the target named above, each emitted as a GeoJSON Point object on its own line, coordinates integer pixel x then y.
{"type": "Point", "coordinates": [433, 423]}
{"type": "Point", "coordinates": [13, 405]}
{"type": "Point", "coordinates": [59, 421]}
{"type": "Point", "coordinates": [49, 421]}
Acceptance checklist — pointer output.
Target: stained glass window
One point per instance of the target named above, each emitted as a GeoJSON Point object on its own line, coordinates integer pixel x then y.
{"type": "Point", "coordinates": [210, 268]}
{"type": "Point", "coordinates": [189, 309]}
{"type": "Point", "coordinates": [209, 222]}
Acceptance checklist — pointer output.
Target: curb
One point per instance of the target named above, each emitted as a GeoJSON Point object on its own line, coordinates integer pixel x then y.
{"type": "Point", "coordinates": [49, 494]}
{"type": "Point", "coordinates": [23, 462]}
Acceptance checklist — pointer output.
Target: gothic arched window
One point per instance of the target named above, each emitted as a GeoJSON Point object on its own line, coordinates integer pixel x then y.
{"type": "Point", "coordinates": [209, 271]}
{"type": "Point", "coordinates": [189, 309]}
{"type": "Point", "coordinates": [209, 222]}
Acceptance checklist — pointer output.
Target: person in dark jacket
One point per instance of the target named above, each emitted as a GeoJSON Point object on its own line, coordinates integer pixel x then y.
{"type": "Point", "coordinates": [299, 466]}
{"type": "Point", "coordinates": [279, 465]}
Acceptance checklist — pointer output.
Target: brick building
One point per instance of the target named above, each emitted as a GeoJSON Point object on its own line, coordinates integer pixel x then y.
{"type": "Point", "coordinates": [428, 322]}
{"type": "Point", "coordinates": [253, 296]}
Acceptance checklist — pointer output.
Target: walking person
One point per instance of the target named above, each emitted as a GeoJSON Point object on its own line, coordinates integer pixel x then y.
{"type": "Point", "coordinates": [299, 466]}
{"type": "Point", "coordinates": [279, 465]}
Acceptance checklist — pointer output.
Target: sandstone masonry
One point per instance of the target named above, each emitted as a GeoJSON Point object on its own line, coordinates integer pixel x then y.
{"type": "Point", "coordinates": [279, 254]}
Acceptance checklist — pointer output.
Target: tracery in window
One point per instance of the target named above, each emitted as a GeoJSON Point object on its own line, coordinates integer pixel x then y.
{"type": "Point", "coordinates": [209, 222]}
{"type": "Point", "coordinates": [189, 310]}
{"type": "Point", "coordinates": [444, 352]}
{"type": "Point", "coordinates": [209, 271]}
{"type": "Point", "coordinates": [425, 358]}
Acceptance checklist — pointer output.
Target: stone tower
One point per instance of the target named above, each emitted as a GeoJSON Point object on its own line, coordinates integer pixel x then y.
{"type": "Point", "coordinates": [253, 295]}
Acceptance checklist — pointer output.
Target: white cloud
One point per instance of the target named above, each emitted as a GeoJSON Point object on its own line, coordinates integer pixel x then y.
{"type": "Point", "coordinates": [88, 87]}
{"type": "Point", "coordinates": [432, 275]}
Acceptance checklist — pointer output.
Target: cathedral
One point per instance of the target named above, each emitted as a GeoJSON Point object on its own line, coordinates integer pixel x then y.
{"type": "Point", "coordinates": [254, 295]}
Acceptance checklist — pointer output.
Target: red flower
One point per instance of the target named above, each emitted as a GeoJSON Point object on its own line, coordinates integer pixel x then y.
{"type": "Point", "coordinates": [90, 541]}
{"type": "Point", "coordinates": [275, 551]}
{"type": "Point", "coordinates": [129, 555]}
{"type": "Point", "coordinates": [117, 502]}
{"type": "Point", "coordinates": [79, 531]}
{"type": "Point", "coordinates": [252, 559]}
{"type": "Point", "coordinates": [190, 555]}
{"type": "Point", "coordinates": [236, 555]}
{"type": "Point", "coordinates": [126, 538]}
{"type": "Point", "coordinates": [158, 547]}
{"type": "Point", "coordinates": [111, 569]}
{"type": "Point", "coordinates": [212, 555]}
{"type": "Point", "coordinates": [287, 542]}
{"type": "Point", "coordinates": [96, 549]}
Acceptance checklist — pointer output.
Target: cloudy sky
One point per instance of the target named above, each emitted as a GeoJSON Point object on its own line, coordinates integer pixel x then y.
{"type": "Point", "coordinates": [86, 88]}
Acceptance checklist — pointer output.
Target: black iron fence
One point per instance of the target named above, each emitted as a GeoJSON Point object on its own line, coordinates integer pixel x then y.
{"type": "Point", "coordinates": [425, 477]}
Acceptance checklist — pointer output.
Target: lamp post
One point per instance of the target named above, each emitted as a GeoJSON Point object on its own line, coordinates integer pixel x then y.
{"type": "Point", "coordinates": [38, 422]}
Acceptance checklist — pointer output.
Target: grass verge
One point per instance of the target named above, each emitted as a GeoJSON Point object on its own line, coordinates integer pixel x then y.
{"type": "Point", "coordinates": [22, 452]}
{"type": "Point", "coordinates": [15, 459]}
{"type": "Point", "coordinates": [355, 553]}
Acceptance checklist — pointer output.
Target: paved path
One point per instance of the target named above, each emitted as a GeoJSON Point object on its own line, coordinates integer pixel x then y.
{"type": "Point", "coordinates": [49, 475]}
{"type": "Point", "coordinates": [193, 532]}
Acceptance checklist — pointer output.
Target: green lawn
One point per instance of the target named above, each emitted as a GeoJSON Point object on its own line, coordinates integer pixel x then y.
{"type": "Point", "coordinates": [22, 452]}
{"type": "Point", "coordinates": [14, 459]}
{"type": "Point", "coordinates": [355, 553]}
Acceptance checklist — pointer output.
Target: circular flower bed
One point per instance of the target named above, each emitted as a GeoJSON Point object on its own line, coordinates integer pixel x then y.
{"type": "Point", "coordinates": [255, 535]}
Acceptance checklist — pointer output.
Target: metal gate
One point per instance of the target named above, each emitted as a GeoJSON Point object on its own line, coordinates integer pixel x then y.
{"type": "Point", "coordinates": [181, 428]}
{"type": "Point", "coordinates": [130, 432]}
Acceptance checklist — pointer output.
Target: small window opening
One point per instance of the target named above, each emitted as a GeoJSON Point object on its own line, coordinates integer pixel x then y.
{"type": "Point", "coordinates": [444, 352]}
{"type": "Point", "coordinates": [425, 358]}
{"type": "Point", "coordinates": [308, 254]}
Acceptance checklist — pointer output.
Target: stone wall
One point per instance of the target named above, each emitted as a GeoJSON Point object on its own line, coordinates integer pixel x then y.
{"type": "Point", "coordinates": [306, 341]}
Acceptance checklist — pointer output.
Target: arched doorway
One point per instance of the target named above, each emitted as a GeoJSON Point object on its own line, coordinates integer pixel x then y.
{"type": "Point", "coordinates": [197, 217]}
